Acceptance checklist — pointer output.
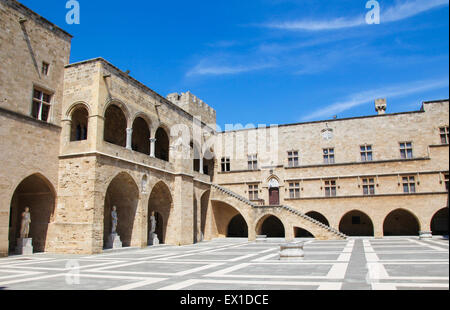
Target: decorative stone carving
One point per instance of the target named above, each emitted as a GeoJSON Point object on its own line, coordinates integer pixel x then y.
{"type": "Point", "coordinates": [114, 220]}
{"type": "Point", "coordinates": [152, 237]}
{"type": "Point", "coordinates": [114, 241]}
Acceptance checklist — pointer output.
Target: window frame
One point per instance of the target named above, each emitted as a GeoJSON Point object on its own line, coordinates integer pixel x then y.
{"type": "Point", "coordinates": [329, 156]}
{"type": "Point", "coordinates": [253, 192]}
{"type": "Point", "coordinates": [294, 190]}
{"type": "Point", "coordinates": [444, 134]}
{"type": "Point", "coordinates": [225, 164]}
{"type": "Point", "coordinates": [40, 102]}
{"type": "Point", "coordinates": [409, 183]}
{"type": "Point", "coordinates": [404, 154]}
{"type": "Point", "coordinates": [252, 162]}
{"type": "Point", "coordinates": [45, 68]}
{"type": "Point", "coordinates": [293, 159]}
{"type": "Point", "coordinates": [329, 186]}
{"type": "Point", "coordinates": [364, 151]}
{"type": "Point", "coordinates": [368, 185]}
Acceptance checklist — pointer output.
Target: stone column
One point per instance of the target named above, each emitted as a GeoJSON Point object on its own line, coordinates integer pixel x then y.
{"type": "Point", "coordinates": [152, 147]}
{"type": "Point", "coordinates": [129, 137]}
{"type": "Point", "coordinates": [201, 165]}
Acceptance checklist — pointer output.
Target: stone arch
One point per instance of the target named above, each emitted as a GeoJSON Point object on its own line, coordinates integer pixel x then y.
{"type": "Point", "coordinates": [116, 123]}
{"type": "Point", "coordinates": [75, 106]}
{"type": "Point", "coordinates": [160, 202]}
{"type": "Point", "coordinates": [356, 223]}
{"type": "Point", "coordinates": [222, 214]}
{"type": "Point", "coordinates": [120, 104]}
{"type": "Point", "coordinates": [140, 141]}
{"type": "Point", "coordinates": [37, 193]}
{"type": "Point", "coordinates": [79, 123]}
{"type": "Point", "coordinates": [237, 227]}
{"type": "Point", "coordinates": [271, 226]}
{"type": "Point", "coordinates": [123, 193]}
{"type": "Point", "coordinates": [401, 222]}
{"type": "Point", "coordinates": [162, 144]}
{"type": "Point", "coordinates": [439, 222]}
{"type": "Point", "coordinates": [318, 217]}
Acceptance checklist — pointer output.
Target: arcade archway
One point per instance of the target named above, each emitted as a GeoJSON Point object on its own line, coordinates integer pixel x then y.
{"type": "Point", "coordinates": [401, 223]}
{"type": "Point", "coordinates": [356, 224]}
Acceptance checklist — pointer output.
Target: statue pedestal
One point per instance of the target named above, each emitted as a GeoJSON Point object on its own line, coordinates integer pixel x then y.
{"type": "Point", "coordinates": [425, 235]}
{"type": "Point", "coordinates": [153, 239]}
{"type": "Point", "coordinates": [292, 251]}
{"type": "Point", "coordinates": [24, 246]}
{"type": "Point", "coordinates": [114, 241]}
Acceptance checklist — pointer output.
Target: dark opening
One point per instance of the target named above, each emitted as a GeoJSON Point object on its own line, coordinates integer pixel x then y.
{"type": "Point", "coordinates": [237, 228]}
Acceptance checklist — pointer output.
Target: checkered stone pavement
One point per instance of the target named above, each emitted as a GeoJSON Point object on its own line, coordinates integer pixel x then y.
{"type": "Point", "coordinates": [235, 264]}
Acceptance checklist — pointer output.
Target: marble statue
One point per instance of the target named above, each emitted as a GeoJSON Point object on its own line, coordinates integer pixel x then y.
{"type": "Point", "coordinates": [25, 225]}
{"type": "Point", "coordinates": [153, 223]}
{"type": "Point", "coordinates": [114, 219]}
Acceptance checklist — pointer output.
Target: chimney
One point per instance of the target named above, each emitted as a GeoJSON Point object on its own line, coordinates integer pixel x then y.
{"type": "Point", "coordinates": [380, 106]}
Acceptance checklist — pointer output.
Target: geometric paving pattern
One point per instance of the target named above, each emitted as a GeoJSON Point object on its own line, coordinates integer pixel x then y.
{"type": "Point", "coordinates": [401, 263]}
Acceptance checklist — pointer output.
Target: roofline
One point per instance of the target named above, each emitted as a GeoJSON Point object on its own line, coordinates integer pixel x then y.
{"type": "Point", "coordinates": [343, 119]}
{"type": "Point", "coordinates": [39, 17]}
{"type": "Point", "coordinates": [140, 84]}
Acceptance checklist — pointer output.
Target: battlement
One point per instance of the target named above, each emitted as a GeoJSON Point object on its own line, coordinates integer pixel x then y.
{"type": "Point", "coordinates": [193, 105]}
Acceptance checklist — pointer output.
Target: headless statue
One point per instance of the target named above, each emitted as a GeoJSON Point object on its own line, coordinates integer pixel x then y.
{"type": "Point", "coordinates": [114, 220]}
{"type": "Point", "coordinates": [25, 224]}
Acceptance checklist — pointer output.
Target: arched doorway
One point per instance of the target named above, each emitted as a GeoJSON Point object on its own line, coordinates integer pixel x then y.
{"type": "Point", "coordinates": [356, 224]}
{"type": "Point", "coordinates": [401, 223]}
{"type": "Point", "coordinates": [162, 144]}
{"type": "Point", "coordinates": [123, 193]}
{"type": "Point", "coordinates": [140, 141]}
{"type": "Point", "coordinates": [439, 223]}
{"type": "Point", "coordinates": [302, 233]}
{"type": "Point", "coordinates": [79, 126]}
{"type": "Point", "coordinates": [272, 227]}
{"type": "Point", "coordinates": [160, 202]}
{"type": "Point", "coordinates": [318, 217]}
{"type": "Point", "coordinates": [115, 130]}
{"type": "Point", "coordinates": [237, 228]}
{"type": "Point", "coordinates": [37, 193]}
{"type": "Point", "coordinates": [274, 192]}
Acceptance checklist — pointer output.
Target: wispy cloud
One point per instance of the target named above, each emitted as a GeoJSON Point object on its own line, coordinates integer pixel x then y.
{"type": "Point", "coordinates": [217, 65]}
{"type": "Point", "coordinates": [369, 96]}
{"type": "Point", "coordinates": [401, 10]}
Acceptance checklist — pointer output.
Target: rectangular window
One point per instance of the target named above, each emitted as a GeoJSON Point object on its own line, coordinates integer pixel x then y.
{"type": "Point", "coordinates": [45, 67]}
{"type": "Point", "coordinates": [226, 164]}
{"type": "Point", "coordinates": [330, 188]}
{"type": "Point", "coordinates": [328, 156]}
{"type": "Point", "coordinates": [253, 192]}
{"type": "Point", "coordinates": [406, 150]}
{"type": "Point", "coordinates": [252, 162]}
{"type": "Point", "coordinates": [369, 187]}
{"type": "Point", "coordinates": [294, 190]}
{"type": "Point", "coordinates": [409, 184]}
{"type": "Point", "coordinates": [41, 105]}
{"type": "Point", "coordinates": [293, 159]}
{"type": "Point", "coordinates": [444, 135]}
{"type": "Point", "coordinates": [446, 181]}
{"type": "Point", "coordinates": [366, 153]}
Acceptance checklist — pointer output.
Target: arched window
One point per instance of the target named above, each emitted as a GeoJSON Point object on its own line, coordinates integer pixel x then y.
{"type": "Point", "coordinates": [115, 131]}
{"type": "Point", "coordinates": [162, 144]}
{"type": "Point", "coordinates": [79, 127]}
{"type": "Point", "coordinates": [141, 136]}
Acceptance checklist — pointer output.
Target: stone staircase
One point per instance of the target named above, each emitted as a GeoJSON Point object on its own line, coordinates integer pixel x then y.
{"type": "Point", "coordinates": [329, 229]}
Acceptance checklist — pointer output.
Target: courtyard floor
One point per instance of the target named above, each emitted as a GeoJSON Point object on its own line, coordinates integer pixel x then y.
{"type": "Point", "coordinates": [235, 264]}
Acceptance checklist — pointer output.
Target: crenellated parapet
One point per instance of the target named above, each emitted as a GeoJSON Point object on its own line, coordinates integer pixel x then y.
{"type": "Point", "coordinates": [193, 105]}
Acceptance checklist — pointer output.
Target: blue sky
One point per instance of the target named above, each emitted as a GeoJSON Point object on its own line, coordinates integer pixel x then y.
{"type": "Point", "coordinates": [271, 61]}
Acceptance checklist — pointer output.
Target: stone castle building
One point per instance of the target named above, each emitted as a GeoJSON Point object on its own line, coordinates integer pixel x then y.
{"type": "Point", "coordinates": [79, 138]}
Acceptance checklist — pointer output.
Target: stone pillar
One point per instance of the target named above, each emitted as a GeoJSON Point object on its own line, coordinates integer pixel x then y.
{"type": "Point", "coordinates": [152, 147]}
{"type": "Point", "coordinates": [129, 137]}
{"type": "Point", "coordinates": [201, 165]}
{"type": "Point", "coordinates": [181, 228]}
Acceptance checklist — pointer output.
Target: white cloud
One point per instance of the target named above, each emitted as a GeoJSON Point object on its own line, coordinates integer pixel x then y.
{"type": "Point", "coordinates": [366, 97]}
{"type": "Point", "coordinates": [401, 10]}
{"type": "Point", "coordinates": [216, 66]}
